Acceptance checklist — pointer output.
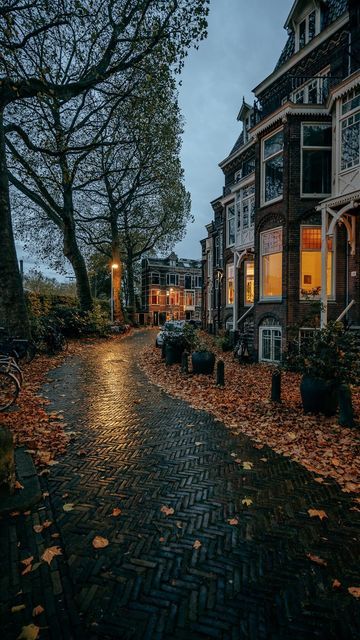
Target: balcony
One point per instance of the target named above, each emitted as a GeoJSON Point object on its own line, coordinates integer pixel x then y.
{"type": "Point", "coordinates": [299, 90]}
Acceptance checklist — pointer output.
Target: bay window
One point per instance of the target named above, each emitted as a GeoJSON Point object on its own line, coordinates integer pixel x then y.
{"type": "Point", "coordinates": [272, 167]}
{"type": "Point", "coordinates": [310, 259]}
{"type": "Point", "coordinates": [249, 282]}
{"type": "Point", "coordinates": [350, 131]}
{"type": "Point", "coordinates": [271, 264]}
{"type": "Point", "coordinates": [230, 285]}
{"type": "Point", "coordinates": [230, 225]}
{"type": "Point", "coordinates": [316, 159]}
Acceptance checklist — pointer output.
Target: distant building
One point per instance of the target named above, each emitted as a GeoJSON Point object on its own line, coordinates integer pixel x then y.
{"type": "Point", "coordinates": [171, 289]}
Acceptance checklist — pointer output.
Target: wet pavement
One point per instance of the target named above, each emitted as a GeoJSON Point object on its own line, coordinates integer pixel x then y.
{"type": "Point", "coordinates": [266, 575]}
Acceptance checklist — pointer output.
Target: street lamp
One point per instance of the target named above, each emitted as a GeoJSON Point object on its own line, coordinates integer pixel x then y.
{"type": "Point", "coordinates": [113, 266]}
{"type": "Point", "coordinates": [219, 276]}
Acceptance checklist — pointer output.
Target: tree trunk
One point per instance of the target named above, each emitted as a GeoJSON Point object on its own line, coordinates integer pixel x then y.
{"type": "Point", "coordinates": [75, 257]}
{"type": "Point", "coordinates": [131, 286]}
{"type": "Point", "coordinates": [13, 312]}
{"type": "Point", "coordinates": [117, 281]}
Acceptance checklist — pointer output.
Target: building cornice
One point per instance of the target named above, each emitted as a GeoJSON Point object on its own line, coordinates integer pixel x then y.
{"type": "Point", "coordinates": [337, 201]}
{"type": "Point", "coordinates": [299, 55]}
{"type": "Point", "coordinates": [344, 87]}
{"type": "Point", "coordinates": [236, 153]}
{"type": "Point", "coordinates": [289, 108]}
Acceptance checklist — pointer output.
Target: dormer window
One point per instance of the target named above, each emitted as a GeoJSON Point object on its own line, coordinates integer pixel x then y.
{"type": "Point", "coordinates": [307, 28]}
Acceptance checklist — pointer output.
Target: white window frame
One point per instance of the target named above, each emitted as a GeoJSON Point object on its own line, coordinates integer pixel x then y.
{"type": "Point", "coordinates": [263, 165]}
{"type": "Point", "coordinates": [319, 81]}
{"type": "Point", "coordinates": [186, 292]}
{"type": "Point", "coordinates": [246, 264]}
{"type": "Point", "coordinates": [305, 17]}
{"type": "Point", "coordinates": [168, 280]}
{"type": "Point", "coordinates": [343, 118]}
{"type": "Point", "coordinates": [270, 298]}
{"type": "Point", "coordinates": [229, 206]}
{"type": "Point", "coordinates": [230, 267]}
{"type": "Point", "coordinates": [308, 148]}
{"type": "Point", "coordinates": [272, 328]}
{"type": "Point", "coordinates": [331, 295]}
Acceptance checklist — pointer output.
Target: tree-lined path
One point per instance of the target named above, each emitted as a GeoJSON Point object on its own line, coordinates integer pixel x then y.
{"type": "Point", "coordinates": [201, 545]}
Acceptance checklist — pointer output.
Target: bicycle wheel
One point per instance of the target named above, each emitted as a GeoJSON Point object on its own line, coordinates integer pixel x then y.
{"type": "Point", "coordinates": [9, 390]}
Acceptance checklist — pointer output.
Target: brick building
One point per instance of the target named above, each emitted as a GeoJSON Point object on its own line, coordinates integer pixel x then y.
{"type": "Point", "coordinates": [292, 186]}
{"type": "Point", "coordinates": [171, 289]}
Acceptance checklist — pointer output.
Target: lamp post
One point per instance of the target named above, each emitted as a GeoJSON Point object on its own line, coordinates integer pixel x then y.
{"type": "Point", "coordinates": [219, 277]}
{"type": "Point", "coordinates": [113, 266]}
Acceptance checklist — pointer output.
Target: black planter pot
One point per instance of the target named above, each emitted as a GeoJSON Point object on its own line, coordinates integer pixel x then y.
{"type": "Point", "coordinates": [173, 354]}
{"type": "Point", "coordinates": [319, 396]}
{"type": "Point", "coordinates": [203, 362]}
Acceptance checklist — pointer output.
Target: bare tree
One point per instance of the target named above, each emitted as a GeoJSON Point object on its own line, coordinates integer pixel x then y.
{"type": "Point", "coordinates": [97, 40]}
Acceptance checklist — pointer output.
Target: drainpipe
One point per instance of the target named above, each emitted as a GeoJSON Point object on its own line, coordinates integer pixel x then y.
{"type": "Point", "coordinates": [324, 255]}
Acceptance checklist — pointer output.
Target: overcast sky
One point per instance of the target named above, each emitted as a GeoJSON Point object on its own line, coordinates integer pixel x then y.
{"type": "Point", "coordinates": [244, 42]}
{"type": "Point", "coordinates": [243, 45]}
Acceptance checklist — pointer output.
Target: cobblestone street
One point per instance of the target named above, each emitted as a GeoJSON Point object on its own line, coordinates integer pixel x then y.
{"type": "Point", "coordinates": [137, 449]}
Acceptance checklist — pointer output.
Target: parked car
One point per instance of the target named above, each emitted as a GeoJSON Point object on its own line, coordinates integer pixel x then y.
{"type": "Point", "coordinates": [170, 325]}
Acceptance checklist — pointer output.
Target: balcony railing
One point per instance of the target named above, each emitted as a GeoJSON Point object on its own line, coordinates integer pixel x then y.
{"type": "Point", "coordinates": [297, 89]}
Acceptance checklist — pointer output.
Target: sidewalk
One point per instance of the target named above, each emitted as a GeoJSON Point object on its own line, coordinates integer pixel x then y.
{"type": "Point", "coordinates": [208, 536]}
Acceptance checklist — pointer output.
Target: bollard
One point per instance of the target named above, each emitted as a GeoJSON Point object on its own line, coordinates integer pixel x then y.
{"type": "Point", "coordinates": [185, 362]}
{"type": "Point", "coordinates": [163, 350]}
{"type": "Point", "coordinates": [276, 386]}
{"type": "Point", "coordinates": [220, 373]}
{"type": "Point", "coordinates": [346, 413]}
{"type": "Point", "coordinates": [7, 463]}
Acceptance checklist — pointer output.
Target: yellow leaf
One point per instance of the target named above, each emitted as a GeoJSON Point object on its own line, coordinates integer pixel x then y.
{"type": "Point", "coordinates": [197, 544]}
{"type": "Point", "coordinates": [38, 610]}
{"type": "Point", "coordinates": [167, 510]}
{"type": "Point", "coordinates": [30, 632]}
{"type": "Point", "coordinates": [18, 607]}
{"type": "Point", "coordinates": [68, 506]}
{"type": "Point", "coordinates": [355, 591]}
{"type": "Point", "coordinates": [313, 513]}
{"type": "Point", "coordinates": [247, 465]}
{"type": "Point", "coordinates": [50, 553]}
{"type": "Point", "coordinates": [99, 542]}
{"type": "Point", "coordinates": [247, 502]}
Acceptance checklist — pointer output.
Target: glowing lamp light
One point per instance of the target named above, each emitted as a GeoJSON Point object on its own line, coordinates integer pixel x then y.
{"type": "Point", "coordinates": [114, 266]}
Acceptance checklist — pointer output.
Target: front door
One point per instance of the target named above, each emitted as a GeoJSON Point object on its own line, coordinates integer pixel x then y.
{"type": "Point", "coordinates": [156, 318]}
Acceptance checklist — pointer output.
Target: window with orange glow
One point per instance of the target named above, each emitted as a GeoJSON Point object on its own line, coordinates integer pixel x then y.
{"type": "Point", "coordinates": [271, 264]}
{"type": "Point", "coordinates": [230, 285]}
{"type": "Point", "coordinates": [310, 268]}
{"type": "Point", "coordinates": [249, 282]}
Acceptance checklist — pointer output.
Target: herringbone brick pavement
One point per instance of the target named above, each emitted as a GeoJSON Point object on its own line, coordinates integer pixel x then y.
{"type": "Point", "coordinates": [137, 449]}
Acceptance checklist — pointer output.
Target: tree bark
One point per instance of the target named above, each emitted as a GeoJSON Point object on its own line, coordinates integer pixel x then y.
{"type": "Point", "coordinates": [75, 257]}
{"type": "Point", "coordinates": [131, 285]}
{"type": "Point", "coordinates": [13, 312]}
{"type": "Point", "coordinates": [117, 280]}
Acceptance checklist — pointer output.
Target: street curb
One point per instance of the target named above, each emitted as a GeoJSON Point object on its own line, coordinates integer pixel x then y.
{"type": "Point", "coordinates": [26, 474]}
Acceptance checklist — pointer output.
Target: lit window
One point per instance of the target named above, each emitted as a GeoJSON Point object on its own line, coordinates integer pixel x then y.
{"type": "Point", "coordinates": [155, 297]}
{"type": "Point", "coordinates": [189, 298]}
{"type": "Point", "coordinates": [230, 220]}
{"type": "Point", "coordinates": [316, 159]}
{"type": "Point", "coordinates": [272, 167]}
{"type": "Point", "coordinates": [229, 285]}
{"type": "Point", "coordinates": [249, 282]}
{"type": "Point", "coordinates": [270, 344]}
{"type": "Point", "coordinates": [350, 131]}
{"type": "Point", "coordinates": [307, 29]}
{"type": "Point", "coordinates": [271, 264]}
{"type": "Point", "coordinates": [310, 269]}
{"type": "Point", "coordinates": [172, 297]}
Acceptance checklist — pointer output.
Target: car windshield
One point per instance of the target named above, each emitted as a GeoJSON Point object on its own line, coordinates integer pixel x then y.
{"type": "Point", "coordinates": [171, 326]}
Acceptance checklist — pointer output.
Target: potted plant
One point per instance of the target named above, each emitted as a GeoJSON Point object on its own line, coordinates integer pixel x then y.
{"type": "Point", "coordinates": [175, 343]}
{"type": "Point", "coordinates": [327, 360]}
{"type": "Point", "coordinates": [224, 341]}
{"type": "Point", "coordinates": [203, 360]}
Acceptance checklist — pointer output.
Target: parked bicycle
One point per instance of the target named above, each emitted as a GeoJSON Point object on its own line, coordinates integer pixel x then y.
{"type": "Point", "coordinates": [10, 381]}
{"type": "Point", "coordinates": [17, 348]}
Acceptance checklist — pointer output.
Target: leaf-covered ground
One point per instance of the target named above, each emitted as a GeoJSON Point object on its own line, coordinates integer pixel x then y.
{"type": "Point", "coordinates": [244, 405]}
